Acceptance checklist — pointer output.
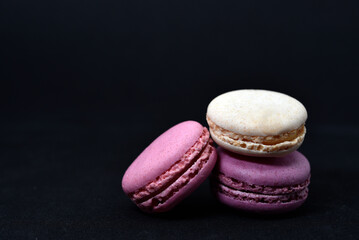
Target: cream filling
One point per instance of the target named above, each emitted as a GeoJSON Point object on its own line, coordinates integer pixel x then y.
{"type": "Point", "coordinates": [183, 180]}
{"type": "Point", "coordinates": [259, 143]}
{"type": "Point", "coordinates": [261, 189]}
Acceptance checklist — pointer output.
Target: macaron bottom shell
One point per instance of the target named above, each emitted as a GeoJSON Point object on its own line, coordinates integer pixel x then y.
{"type": "Point", "coordinates": [273, 185]}
{"type": "Point", "coordinates": [258, 203]}
{"type": "Point", "coordinates": [261, 208]}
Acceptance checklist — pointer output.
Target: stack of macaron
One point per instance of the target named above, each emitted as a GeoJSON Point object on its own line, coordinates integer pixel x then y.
{"type": "Point", "coordinates": [255, 168]}
{"type": "Point", "coordinates": [258, 168]}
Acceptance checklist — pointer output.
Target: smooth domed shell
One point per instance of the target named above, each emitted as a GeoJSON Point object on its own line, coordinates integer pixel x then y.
{"type": "Point", "coordinates": [161, 154]}
{"type": "Point", "coordinates": [257, 112]}
{"type": "Point", "coordinates": [291, 169]}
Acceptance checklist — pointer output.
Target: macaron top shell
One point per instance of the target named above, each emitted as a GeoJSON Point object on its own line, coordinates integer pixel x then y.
{"type": "Point", "coordinates": [161, 154]}
{"type": "Point", "coordinates": [289, 170]}
{"type": "Point", "coordinates": [257, 112]}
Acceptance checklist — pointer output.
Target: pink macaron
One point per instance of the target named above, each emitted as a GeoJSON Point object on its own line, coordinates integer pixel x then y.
{"type": "Point", "coordinates": [170, 168]}
{"type": "Point", "coordinates": [271, 185]}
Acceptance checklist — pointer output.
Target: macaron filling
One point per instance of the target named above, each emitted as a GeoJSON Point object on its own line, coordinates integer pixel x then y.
{"type": "Point", "coordinates": [184, 179]}
{"type": "Point", "coordinates": [272, 190]}
{"type": "Point", "coordinates": [191, 161]}
{"type": "Point", "coordinates": [259, 193]}
{"type": "Point", "coordinates": [273, 143]}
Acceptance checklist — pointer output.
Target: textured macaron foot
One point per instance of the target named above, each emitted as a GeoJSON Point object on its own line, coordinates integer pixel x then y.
{"type": "Point", "coordinates": [169, 169]}
{"type": "Point", "coordinates": [257, 122]}
{"type": "Point", "coordinates": [258, 202]}
{"type": "Point", "coordinates": [273, 185]}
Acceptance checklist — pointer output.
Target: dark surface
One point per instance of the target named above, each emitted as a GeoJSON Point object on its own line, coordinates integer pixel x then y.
{"type": "Point", "coordinates": [61, 178]}
{"type": "Point", "coordinates": [85, 86]}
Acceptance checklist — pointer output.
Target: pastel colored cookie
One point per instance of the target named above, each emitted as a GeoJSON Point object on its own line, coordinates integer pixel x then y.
{"type": "Point", "coordinates": [274, 185]}
{"type": "Point", "coordinates": [257, 122]}
{"type": "Point", "coordinates": [170, 168]}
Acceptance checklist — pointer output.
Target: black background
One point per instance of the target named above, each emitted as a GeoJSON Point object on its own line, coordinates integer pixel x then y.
{"type": "Point", "coordinates": [87, 85]}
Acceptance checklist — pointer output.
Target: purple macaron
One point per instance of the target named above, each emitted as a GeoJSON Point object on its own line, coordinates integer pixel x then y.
{"type": "Point", "coordinates": [270, 185]}
{"type": "Point", "coordinates": [170, 168]}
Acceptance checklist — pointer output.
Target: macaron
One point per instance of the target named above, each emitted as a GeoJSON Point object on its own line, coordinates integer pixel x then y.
{"type": "Point", "coordinates": [255, 184]}
{"type": "Point", "coordinates": [257, 122]}
{"type": "Point", "coordinates": [170, 168]}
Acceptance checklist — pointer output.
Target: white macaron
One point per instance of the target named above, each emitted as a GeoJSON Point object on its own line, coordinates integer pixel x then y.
{"type": "Point", "coordinates": [257, 122]}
